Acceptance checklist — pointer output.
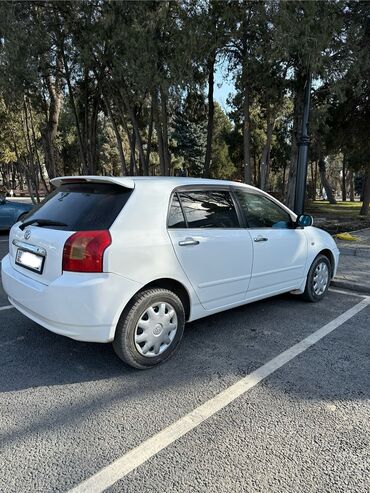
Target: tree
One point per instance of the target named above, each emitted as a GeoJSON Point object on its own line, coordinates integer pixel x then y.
{"type": "Point", "coordinates": [189, 134]}
{"type": "Point", "coordinates": [221, 165]}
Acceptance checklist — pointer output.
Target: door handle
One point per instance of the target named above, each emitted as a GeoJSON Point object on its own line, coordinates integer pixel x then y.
{"type": "Point", "coordinates": [188, 242]}
{"type": "Point", "coordinates": [260, 238]}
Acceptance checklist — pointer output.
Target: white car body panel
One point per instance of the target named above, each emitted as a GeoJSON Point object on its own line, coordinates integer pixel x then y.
{"type": "Point", "coordinates": [226, 269]}
{"type": "Point", "coordinates": [83, 307]}
{"type": "Point", "coordinates": [268, 276]}
{"type": "Point", "coordinates": [52, 240]}
{"type": "Point", "coordinates": [219, 267]}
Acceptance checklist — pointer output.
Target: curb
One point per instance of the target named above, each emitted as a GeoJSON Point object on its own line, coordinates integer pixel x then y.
{"type": "Point", "coordinates": [354, 252]}
{"type": "Point", "coordinates": [352, 286]}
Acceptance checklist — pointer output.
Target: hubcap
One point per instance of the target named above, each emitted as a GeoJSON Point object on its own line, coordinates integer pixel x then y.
{"type": "Point", "coordinates": [156, 329]}
{"type": "Point", "coordinates": [320, 278]}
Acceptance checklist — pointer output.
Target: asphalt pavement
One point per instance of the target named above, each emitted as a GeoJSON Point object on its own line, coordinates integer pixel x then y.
{"type": "Point", "coordinates": [69, 409]}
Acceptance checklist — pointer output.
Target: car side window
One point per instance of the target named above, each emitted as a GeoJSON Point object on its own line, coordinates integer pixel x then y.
{"type": "Point", "coordinates": [175, 216]}
{"type": "Point", "coordinates": [209, 209]}
{"type": "Point", "coordinates": [260, 212]}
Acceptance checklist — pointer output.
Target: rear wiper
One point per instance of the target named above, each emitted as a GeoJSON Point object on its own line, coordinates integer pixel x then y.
{"type": "Point", "coordinates": [41, 222]}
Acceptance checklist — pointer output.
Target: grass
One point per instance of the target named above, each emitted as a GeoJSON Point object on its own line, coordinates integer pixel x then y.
{"type": "Point", "coordinates": [338, 218]}
{"type": "Point", "coordinates": [323, 207]}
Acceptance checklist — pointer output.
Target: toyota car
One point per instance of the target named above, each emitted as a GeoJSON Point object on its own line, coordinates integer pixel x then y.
{"type": "Point", "coordinates": [130, 260]}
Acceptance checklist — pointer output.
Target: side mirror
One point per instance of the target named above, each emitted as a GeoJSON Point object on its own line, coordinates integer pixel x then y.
{"type": "Point", "coordinates": [304, 220]}
{"type": "Point", "coordinates": [2, 200]}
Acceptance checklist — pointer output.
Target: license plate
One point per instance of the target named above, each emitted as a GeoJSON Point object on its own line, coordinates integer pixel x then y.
{"type": "Point", "coordinates": [30, 260]}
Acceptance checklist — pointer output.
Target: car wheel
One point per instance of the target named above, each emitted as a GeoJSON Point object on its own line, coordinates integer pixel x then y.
{"type": "Point", "coordinates": [150, 328]}
{"type": "Point", "coordinates": [318, 279]}
{"type": "Point", "coordinates": [21, 217]}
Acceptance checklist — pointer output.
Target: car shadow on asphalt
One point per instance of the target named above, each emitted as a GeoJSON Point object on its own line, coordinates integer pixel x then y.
{"type": "Point", "coordinates": [234, 342]}
{"type": "Point", "coordinates": [216, 352]}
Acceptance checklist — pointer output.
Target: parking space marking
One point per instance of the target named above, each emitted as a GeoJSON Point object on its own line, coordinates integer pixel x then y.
{"type": "Point", "coordinates": [350, 293]}
{"type": "Point", "coordinates": [7, 307]}
{"type": "Point", "coordinates": [118, 469]}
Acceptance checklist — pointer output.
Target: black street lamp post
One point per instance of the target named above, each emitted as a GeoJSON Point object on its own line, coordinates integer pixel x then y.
{"type": "Point", "coordinates": [301, 175]}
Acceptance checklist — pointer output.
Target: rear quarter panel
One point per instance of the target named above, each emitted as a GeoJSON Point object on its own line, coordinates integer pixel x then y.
{"type": "Point", "coordinates": [141, 249]}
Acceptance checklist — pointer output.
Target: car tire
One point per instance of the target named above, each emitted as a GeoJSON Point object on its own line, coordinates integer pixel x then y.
{"type": "Point", "coordinates": [150, 328]}
{"type": "Point", "coordinates": [21, 217]}
{"type": "Point", "coordinates": [318, 279]}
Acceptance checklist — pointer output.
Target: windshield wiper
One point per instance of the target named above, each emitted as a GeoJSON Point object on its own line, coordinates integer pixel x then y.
{"type": "Point", "coordinates": [41, 222]}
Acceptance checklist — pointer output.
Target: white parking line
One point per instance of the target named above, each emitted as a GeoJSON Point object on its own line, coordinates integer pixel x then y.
{"type": "Point", "coordinates": [348, 292]}
{"type": "Point", "coordinates": [115, 471]}
{"type": "Point", "coordinates": [7, 307]}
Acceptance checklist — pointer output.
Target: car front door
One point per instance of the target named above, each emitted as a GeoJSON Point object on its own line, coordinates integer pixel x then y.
{"type": "Point", "coordinates": [215, 252]}
{"type": "Point", "coordinates": [280, 249]}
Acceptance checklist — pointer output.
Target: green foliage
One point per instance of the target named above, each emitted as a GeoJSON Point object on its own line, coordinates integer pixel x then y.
{"type": "Point", "coordinates": [222, 165]}
{"type": "Point", "coordinates": [100, 87]}
{"type": "Point", "coordinates": [189, 134]}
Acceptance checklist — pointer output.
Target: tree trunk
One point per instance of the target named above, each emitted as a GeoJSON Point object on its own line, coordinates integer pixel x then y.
{"type": "Point", "coordinates": [30, 191]}
{"type": "Point", "coordinates": [264, 167]}
{"type": "Point", "coordinates": [351, 187]}
{"type": "Point", "coordinates": [150, 134]}
{"type": "Point", "coordinates": [312, 194]}
{"type": "Point", "coordinates": [211, 112]}
{"type": "Point", "coordinates": [325, 183]}
{"type": "Point", "coordinates": [24, 166]}
{"type": "Point", "coordinates": [74, 110]}
{"type": "Point", "coordinates": [50, 129]}
{"type": "Point", "coordinates": [162, 162]}
{"type": "Point", "coordinates": [117, 135]}
{"type": "Point", "coordinates": [246, 129]}
{"type": "Point", "coordinates": [42, 168]}
{"type": "Point", "coordinates": [297, 120]}
{"type": "Point", "coordinates": [91, 131]}
{"type": "Point", "coordinates": [344, 192]}
{"type": "Point", "coordinates": [30, 170]}
{"type": "Point", "coordinates": [133, 166]}
{"type": "Point", "coordinates": [365, 204]}
{"type": "Point", "coordinates": [135, 126]}
{"type": "Point", "coordinates": [164, 118]}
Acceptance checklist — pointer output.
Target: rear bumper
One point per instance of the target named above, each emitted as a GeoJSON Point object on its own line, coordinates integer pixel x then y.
{"type": "Point", "coordinates": [85, 307]}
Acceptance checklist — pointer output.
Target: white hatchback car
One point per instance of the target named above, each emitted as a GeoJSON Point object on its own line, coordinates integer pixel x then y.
{"type": "Point", "coordinates": [130, 260]}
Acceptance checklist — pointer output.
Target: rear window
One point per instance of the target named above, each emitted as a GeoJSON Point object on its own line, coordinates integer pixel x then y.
{"type": "Point", "coordinates": [82, 206]}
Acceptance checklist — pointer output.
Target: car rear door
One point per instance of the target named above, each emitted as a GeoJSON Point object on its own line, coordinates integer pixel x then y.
{"type": "Point", "coordinates": [280, 249]}
{"type": "Point", "coordinates": [213, 248]}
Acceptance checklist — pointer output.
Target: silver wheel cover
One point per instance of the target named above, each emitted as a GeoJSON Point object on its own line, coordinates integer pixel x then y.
{"type": "Point", "coordinates": [156, 329]}
{"type": "Point", "coordinates": [320, 278]}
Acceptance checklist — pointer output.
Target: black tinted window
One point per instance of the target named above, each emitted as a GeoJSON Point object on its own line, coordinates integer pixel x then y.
{"type": "Point", "coordinates": [209, 209]}
{"type": "Point", "coordinates": [176, 217]}
{"type": "Point", "coordinates": [82, 206]}
{"type": "Point", "coordinates": [260, 212]}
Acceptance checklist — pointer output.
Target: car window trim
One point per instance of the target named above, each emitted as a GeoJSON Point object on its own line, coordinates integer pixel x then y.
{"type": "Point", "coordinates": [205, 188]}
{"type": "Point", "coordinates": [257, 192]}
{"type": "Point", "coordinates": [169, 211]}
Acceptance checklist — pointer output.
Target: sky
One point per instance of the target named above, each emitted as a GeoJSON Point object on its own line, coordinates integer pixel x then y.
{"type": "Point", "coordinates": [223, 86]}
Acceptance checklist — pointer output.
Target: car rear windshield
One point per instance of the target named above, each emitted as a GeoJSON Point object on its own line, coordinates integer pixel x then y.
{"type": "Point", "coordinates": [82, 206]}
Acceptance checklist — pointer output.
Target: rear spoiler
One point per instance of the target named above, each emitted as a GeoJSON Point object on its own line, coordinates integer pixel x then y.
{"type": "Point", "coordinates": [117, 180]}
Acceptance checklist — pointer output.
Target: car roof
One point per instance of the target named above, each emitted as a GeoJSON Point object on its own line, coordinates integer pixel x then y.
{"type": "Point", "coordinates": [168, 182]}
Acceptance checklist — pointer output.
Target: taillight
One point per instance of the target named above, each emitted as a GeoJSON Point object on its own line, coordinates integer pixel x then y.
{"type": "Point", "coordinates": [84, 250]}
